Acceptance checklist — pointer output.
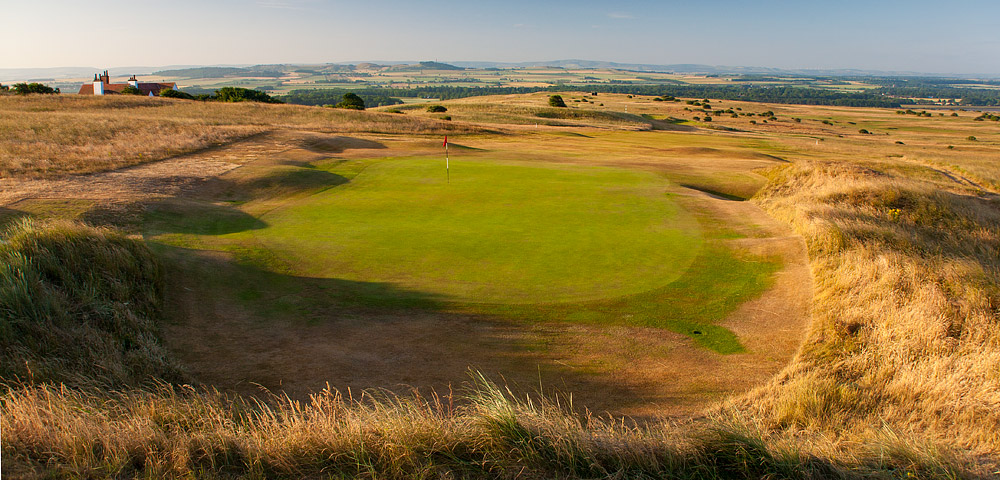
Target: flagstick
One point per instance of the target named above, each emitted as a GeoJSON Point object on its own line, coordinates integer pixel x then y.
{"type": "Point", "coordinates": [446, 168]}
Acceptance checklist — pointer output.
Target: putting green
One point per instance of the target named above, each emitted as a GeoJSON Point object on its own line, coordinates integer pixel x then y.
{"type": "Point", "coordinates": [497, 233]}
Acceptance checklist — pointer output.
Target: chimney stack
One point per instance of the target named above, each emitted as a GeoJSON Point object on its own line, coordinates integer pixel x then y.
{"type": "Point", "coordinates": [132, 81]}
{"type": "Point", "coordinates": [98, 84]}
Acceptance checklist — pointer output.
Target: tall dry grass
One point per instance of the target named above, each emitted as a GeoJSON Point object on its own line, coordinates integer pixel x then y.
{"type": "Point", "coordinates": [79, 305]}
{"type": "Point", "coordinates": [488, 433]}
{"type": "Point", "coordinates": [906, 331]}
{"type": "Point", "coordinates": [55, 135]}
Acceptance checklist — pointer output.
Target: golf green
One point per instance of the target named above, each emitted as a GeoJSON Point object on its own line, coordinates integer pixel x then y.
{"type": "Point", "coordinates": [498, 232]}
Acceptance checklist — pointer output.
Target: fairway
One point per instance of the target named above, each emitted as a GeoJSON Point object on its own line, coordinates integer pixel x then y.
{"type": "Point", "coordinates": [499, 232]}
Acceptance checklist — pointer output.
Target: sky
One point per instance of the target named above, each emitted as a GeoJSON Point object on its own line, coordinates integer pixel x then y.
{"type": "Point", "coordinates": [917, 35]}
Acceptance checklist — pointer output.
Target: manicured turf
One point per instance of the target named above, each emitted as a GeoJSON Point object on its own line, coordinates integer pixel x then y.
{"type": "Point", "coordinates": [528, 242]}
{"type": "Point", "coordinates": [497, 233]}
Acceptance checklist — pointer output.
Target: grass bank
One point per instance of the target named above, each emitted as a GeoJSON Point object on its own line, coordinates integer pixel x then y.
{"type": "Point", "coordinates": [79, 305]}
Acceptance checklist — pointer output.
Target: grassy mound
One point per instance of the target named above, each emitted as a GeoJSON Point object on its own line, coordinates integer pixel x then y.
{"type": "Point", "coordinates": [78, 305]}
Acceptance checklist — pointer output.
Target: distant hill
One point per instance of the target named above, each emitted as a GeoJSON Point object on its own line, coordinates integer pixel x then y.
{"type": "Point", "coordinates": [11, 75]}
{"type": "Point", "coordinates": [216, 72]}
{"type": "Point", "coordinates": [201, 72]}
{"type": "Point", "coordinates": [420, 66]}
{"type": "Point", "coordinates": [439, 66]}
{"type": "Point", "coordinates": [695, 68]}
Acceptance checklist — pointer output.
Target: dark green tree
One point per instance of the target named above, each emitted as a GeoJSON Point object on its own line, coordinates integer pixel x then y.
{"type": "Point", "coordinates": [556, 101]}
{"type": "Point", "coordinates": [130, 90]}
{"type": "Point", "coordinates": [437, 109]}
{"type": "Point", "coordinates": [171, 93]}
{"type": "Point", "coordinates": [351, 101]}
{"type": "Point", "coordinates": [26, 88]}
{"type": "Point", "coordinates": [237, 94]}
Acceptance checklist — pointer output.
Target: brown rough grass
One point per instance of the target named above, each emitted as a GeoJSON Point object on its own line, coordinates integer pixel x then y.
{"type": "Point", "coordinates": [906, 308]}
{"type": "Point", "coordinates": [47, 136]}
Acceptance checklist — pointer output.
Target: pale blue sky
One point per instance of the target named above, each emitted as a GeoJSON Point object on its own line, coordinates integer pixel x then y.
{"type": "Point", "coordinates": [924, 36]}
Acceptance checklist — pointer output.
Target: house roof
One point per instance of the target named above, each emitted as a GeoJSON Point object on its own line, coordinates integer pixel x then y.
{"type": "Point", "coordinates": [114, 88]}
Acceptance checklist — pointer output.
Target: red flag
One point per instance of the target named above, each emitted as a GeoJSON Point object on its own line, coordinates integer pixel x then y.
{"type": "Point", "coordinates": [445, 144]}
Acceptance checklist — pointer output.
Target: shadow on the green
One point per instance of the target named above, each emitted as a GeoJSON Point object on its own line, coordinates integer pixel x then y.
{"type": "Point", "coordinates": [292, 179]}
{"type": "Point", "coordinates": [197, 218]}
{"type": "Point", "coordinates": [714, 193]}
{"type": "Point", "coordinates": [669, 124]}
{"type": "Point", "coordinates": [281, 181]}
{"type": "Point", "coordinates": [571, 134]}
{"type": "Point", "coordinates": [8, 215]}
{"type": "Point", "coordinates": [459, 146]}
{"type": "Point", "coordinates": [334, 144]}
{"type": "Point", "coordinates": [200, 284]}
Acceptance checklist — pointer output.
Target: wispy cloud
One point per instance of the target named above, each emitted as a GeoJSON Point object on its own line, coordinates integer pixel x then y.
{"type": "Point", "coordinates": [620, 16]}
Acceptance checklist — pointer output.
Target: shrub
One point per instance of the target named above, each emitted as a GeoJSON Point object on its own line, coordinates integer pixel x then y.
{"type": "Point", "coordinates": [26, 88]}
{"type": "Point", "coordinates": [556, 101]}
{"type": "Point", "coordinates": [171, 93]}
{"type": "Point", "coordinates": [131, 90]}
{"type": "Point", "coordinates": [899, 143]}
{"type": "Point", "coordinates": [436, 109]}
{"type": "Point", "coordinates": [237, 94]}
{"type": "Point", "coordinates": [863, 131]}
{"type": "Point", "coordinates": [446, 117]}
{"type": "Point", "coordinates": [708, 119]}
{"type": "Point", "coordinates": [971, 138]}
{"type": "Point", "coordinates": [351, 101]}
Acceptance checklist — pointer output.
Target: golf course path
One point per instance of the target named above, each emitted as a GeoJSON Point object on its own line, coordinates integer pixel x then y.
{"type": "Point", "coordinates": [158, 179]}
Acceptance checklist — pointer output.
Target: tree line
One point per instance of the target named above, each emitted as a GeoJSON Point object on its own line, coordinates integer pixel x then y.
{"type": "Point", "coordinates": [376, 96]}
{"type": "Point", "coordinates": [372, 97]}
